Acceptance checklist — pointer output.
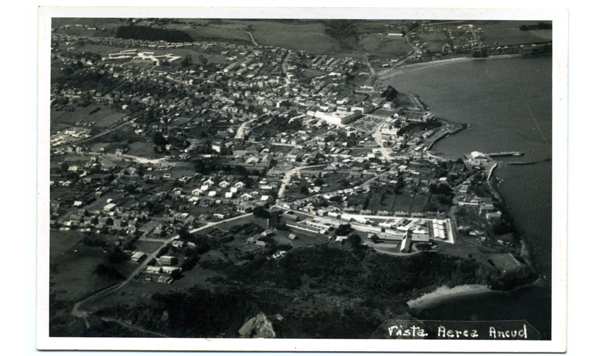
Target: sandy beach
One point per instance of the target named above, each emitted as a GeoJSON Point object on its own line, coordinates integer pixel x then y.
{"type": "Point", "coordinates": [390, 73]}
{"type": "Point", "coordinates": [444, 293]}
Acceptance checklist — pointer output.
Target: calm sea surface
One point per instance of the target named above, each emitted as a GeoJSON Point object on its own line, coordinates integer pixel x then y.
{"type": "Point", "coordinates": [508, 105]}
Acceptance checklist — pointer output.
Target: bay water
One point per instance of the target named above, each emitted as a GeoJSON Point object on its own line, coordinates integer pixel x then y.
{"type": "Point", "coordinates": [507, 103]}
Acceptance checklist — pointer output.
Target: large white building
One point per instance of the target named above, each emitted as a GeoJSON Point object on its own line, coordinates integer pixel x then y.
{"type": "Point", "coordinates": [337, 117]}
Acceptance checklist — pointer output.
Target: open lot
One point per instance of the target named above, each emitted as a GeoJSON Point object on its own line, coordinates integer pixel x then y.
{"type": "Point", "coordinates": [402, 202]}
{"type": "Point", "coordinates": [305, 239]}
{"type": "Point", "coordinates": [381, 200]}
{"type": "Point", "coordinates": [62, 241]}
{"type": "Point", "coordinates": [419, 202]}
{"type": "Point", "coordinates": [102, 118]}
{"type": "Point", "coordinates": [73, 271]}
{"type": "Point", "coordinates": [142, 149]}
{"type": "Point", "coordinates": [147, 246]}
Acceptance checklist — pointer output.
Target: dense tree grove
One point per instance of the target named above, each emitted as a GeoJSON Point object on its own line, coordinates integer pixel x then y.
{"type": "Point", "coordinates": [146, 33]}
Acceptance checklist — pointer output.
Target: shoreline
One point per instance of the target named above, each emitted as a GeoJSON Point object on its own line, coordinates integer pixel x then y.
{"type": "Point", "coordinates": [492, 183]}
{"type": "Point", "coordinates": [444, 293]}
{"type": "Point", "coordinates": [398, 70]}
{"type": "Point", "coordinates": [525, 249]}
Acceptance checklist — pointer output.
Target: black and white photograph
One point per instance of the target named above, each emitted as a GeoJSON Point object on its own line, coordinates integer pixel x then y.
{"type": "Point", "coordinates": [236, 179]}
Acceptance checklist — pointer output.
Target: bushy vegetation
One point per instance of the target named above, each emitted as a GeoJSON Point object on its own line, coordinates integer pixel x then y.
{"type": "Point", "coordinates": [146, 33]}
{"type": "Point", "coordinates": [538, 26]}
{"type": "Point", "coordinates": [198, 312]}
{"type": "Point", "coordinates": [367, 288]}
{"type": "Point", "coordinates": [344, 31]}
{"type": "Point", "coordinates": [105, 271]}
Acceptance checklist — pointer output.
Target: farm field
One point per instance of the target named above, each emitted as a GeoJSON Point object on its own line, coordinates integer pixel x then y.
{"type": "Point", "coordinates": [215, 33]}
{"type": "Point", "coordinates": [508, 33]}
{"type": "Point", "coordinates": [383, 45]}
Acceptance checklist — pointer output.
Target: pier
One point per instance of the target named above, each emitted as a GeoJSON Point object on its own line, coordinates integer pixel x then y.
{"type": "Point", "coordinates": [489, 176]}
{"type": "Point", "coordinates": [499, 154]}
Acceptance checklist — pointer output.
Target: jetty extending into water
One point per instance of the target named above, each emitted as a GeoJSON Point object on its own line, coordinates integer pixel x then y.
{"type": "Point", "coordinates": [499, 154]}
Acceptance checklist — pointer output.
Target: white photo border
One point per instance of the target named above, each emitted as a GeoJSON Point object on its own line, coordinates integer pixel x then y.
{"type": "Point", "coordinates": [559, 184]}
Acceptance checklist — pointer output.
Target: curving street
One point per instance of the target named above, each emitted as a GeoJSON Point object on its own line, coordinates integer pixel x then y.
{"type": "Point", "coordinates": [77, 308]}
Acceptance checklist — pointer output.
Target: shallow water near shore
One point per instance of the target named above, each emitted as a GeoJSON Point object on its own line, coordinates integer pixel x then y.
{"type": "Point", "coordinates": [530, 303]}
{"type": "Point", "coordinates": [508, 106]}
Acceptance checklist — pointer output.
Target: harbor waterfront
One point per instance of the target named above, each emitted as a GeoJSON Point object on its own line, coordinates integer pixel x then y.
{"type": "Point", "coordinates": [507, 104]}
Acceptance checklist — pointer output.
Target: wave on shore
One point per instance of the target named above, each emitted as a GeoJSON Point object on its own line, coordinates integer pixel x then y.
{"type": "Point", "coordinates": [443, 293]}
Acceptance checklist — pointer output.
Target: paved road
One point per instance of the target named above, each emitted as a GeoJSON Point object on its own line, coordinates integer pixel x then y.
{"type": "Point", "coordinates": [377, 137]}
{"type": "Point", "coordinates": [288, 176]}
{"type": "Point", "coordinates": [143, 160]}
{"type": "Point", "coordinates": [252, 38]}
{"type": "Point", "coordinates": [77, 310]}
{"type": "Point", "coordinates": [415, 48]}
{"type": "Point", "coordinates": [129, 326]}
{"type": "Point", "coordinates": [105, 132]}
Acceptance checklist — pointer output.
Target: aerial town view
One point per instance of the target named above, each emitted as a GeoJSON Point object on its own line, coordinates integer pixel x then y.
{"type": "Point", "coordinates": [238, 178]}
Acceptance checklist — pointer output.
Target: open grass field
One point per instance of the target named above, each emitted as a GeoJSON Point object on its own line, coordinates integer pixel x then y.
{"type": "Point", "coordinates": [110, 25]}
{"type": "Point", "coordinates": [147, 246]}
{"type": "Point", "coordinates": [306, 36]}
{"type": "Point", "coordinates": [306, 239]}
{"type": "Point", "coordinates": [505, 262]}
{"type": "Point", "coordinates": [419, 202]}
{"type": "Point", "coordinates": [378, 26]}
{"type": "Point", "coordinates": [72, 272]}
{"type": "Point", "coordinates": [62, 241]}
{"type": "Point", "coordinates": [435, 41]}
{"type": "Point", "coordinates": [90, 21]}
{"type": "Point", "coordinates": [397, 202]}
{"type": "Point", "coordinates": [141, 149]}
{"type": "Point", "coordinates": [138, 289]}
{"type": "Point", "coordinates": [383, 45]}
{"type": "Point", "coordinates": [508, 33]}
{"type": "Point", "coordinates": [104, 117]}
{"type": "Point", "coordinates": [402, 202]}
{"type": "Point", "coordinates": [215, 33]}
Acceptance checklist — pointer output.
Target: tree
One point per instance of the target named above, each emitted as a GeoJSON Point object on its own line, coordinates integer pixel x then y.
{"type": "Point", "coordinates": [261, 212]}
{"type": "Point", "coordinates": [199, 167]}
{"type": "Point", "coordinates": [202, 59]}
{"type": "Point", "coordinates": [158, 139]}
{"type": "Point", "coordinates": [117, 256]}
{"type": "Point", "coordinates": [354, 240]}
{"type": "Point", "coordinates": [186, 61]}
{"type": "Point", "coordinates": [399, 185]}
{"type": "Point", "coordinates": [304, 190]}
{"type": "Point", "coordinates": [502, 227]}
{"type": "Point", "coordinates": [184, 234]}
{"type": "Point", "coordinates": [343, 230]}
